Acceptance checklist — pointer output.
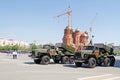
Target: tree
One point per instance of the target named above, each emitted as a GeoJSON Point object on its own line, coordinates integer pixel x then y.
{"type": "Point", "coordinates": [15, 47]}
{"type": "Point", "coordinates": [33, 46]}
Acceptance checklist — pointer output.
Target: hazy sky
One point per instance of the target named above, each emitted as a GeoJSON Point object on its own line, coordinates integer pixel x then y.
{"type": "Point", "coordinates": [30, 20]}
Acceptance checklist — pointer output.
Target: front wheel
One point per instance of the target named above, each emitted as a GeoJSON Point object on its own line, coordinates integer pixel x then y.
{"type": "Point", "coordinates": [45, 60]}
{"type": "Point", "coordinates": [92, 62]}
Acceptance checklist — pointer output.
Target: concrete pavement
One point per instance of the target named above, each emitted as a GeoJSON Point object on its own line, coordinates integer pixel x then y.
{"type": "Point", "coordinates": [24, 68]}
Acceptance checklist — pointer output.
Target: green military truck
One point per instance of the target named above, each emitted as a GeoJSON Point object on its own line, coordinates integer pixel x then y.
{"type": "Point", "coordinates": [63, 54]}
{"type": "Point", "coordinates": [99, 54]}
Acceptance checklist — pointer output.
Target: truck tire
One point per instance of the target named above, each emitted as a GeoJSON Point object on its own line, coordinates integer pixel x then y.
{"type": "Point", "coordinates": [71, 59]}
{"type": "Point", "coordinates": [107, 62]}
{"type": "Point", "coordinates": [45, 60]}
{"type": "Point", "coordinates": [112, 61]}
{"type": "Point", "coordinates": [78, 64]}
{"type": "Point", "coordinates": [99, 62]}
{"type": "Point", "coordinates": [92, 62]}
{"type": "Point", "coordinates": [65, 60]}
{"type": "Point", "coordinates": [37, 61]}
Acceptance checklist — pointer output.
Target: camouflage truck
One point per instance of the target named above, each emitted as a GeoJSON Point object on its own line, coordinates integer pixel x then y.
{"type": "Point", "coordinates": [99, 54]}
{"type": "Point", "coordinates": [63, 54]}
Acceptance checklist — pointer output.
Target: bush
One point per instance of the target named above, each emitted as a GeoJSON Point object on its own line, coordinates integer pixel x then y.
{"type": "Point", "coordinates": [32, 47]}
{"type": "Point", "coordinates": [14, 47]}
{"type": "Point", "coordinates": [117, 52]}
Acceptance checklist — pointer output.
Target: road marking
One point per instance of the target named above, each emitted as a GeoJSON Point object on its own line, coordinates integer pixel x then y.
{"type": "Point", "coordinates": [95, 77]}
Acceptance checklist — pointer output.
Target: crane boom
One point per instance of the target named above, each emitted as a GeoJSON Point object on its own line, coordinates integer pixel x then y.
{"type": "Point", "coordinates": [68, 13]}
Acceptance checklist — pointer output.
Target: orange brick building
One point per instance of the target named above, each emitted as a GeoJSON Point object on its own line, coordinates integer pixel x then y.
{"type": "Point", "coordinates": [76, 38]}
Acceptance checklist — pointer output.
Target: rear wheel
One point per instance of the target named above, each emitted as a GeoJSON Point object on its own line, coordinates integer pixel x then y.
{"type": "Point", "coordinates": [71, 60]}
{"type": "Point", "coordinates": [112, 61]}
{"type": "Point", "coordinates": [78, 64]}
{"type": "Point", "coordinates": [65, 60]}
{"type": "Point", "coordinates": [45, 60]}
{"type": "Point", "coordinates": [92, 62]}
{"type": "Point", "coordinates": [99, 62]}
{"type": "Point", "coordinates": [37, 61]}
{"type": "Point", "coordinates": [106, 62]}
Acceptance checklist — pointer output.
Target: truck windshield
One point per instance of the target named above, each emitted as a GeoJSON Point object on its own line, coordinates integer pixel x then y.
{"type": "Point", "coordinates": [88, 48]}
{"type": "Point", "coordinates": [48, 47]}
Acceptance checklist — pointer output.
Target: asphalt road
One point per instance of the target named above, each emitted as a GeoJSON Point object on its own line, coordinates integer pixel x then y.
{"type": "Point", "coordinates": [24, 68]}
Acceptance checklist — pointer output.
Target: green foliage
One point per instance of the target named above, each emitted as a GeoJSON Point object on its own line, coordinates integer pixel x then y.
{"type": "Point", "coordinates": [1, 48]}
{"type": "Point", "coordinates": [33, 46]}
{"type": "Point", "coordinates": [117, 51]}
{"type": "Point", "coordinates": [14, 47]}
{"type": "Point", "coordinates": [40, 46]}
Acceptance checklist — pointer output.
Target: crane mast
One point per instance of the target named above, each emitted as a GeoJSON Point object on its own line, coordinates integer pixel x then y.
{"type": "Point", "coordinates": [91, 29]}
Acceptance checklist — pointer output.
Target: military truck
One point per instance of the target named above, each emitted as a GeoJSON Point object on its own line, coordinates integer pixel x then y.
{"type": "Point", "coordinates": [63, 54]}
{"type": "Point", "coordinates": [99, 54]}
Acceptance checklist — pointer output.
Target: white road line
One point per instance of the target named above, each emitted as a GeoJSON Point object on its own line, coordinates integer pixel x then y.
{"type": "Point", "coordinates": [99, 76]}
{"type": "Point", "coordinates": [113, 78]}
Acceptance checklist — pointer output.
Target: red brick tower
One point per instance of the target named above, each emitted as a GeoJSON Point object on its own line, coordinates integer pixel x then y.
{"type": "Point", "coordinates": [67, 38]}
{"type": "Point", "coordinates": [76, 39]}
{"type": "Point", "coordinates": [84, 38]}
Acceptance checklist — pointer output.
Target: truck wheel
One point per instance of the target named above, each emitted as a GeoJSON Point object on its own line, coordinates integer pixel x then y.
{"type": "Point", "coordinates": [99, 62]}
{"type": "Point", "coordinates": [65, 60]}
{"type": "Point", "coordinates": [37, 61]}
{"type": "Point", "coordinates": [112, 61]}
{"type": "Point", "coordinates": [45, 60]}
{"type": "Point", "coordinates": [106, 62]}
{"type": "Point", "coordinates": [56, 61]}
{"type": "Point", "coordinates": [78, 64]}
{"type": "Point", "coordinates": [92, 62]}
{"type": "Point", "coordinates": [71, 60]}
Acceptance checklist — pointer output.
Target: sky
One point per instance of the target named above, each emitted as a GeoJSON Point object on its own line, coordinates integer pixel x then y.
{"type": "Point", "coordinates": [34, 20]}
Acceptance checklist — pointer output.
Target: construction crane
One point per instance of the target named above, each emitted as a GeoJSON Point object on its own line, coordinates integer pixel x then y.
{"type": "Point", "coordinates": [91, 27]}
{"type": "Point", "coordinates": [68, 13]}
